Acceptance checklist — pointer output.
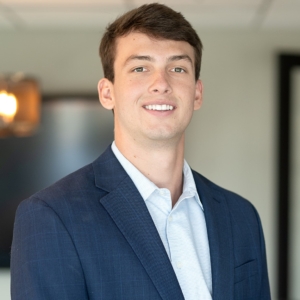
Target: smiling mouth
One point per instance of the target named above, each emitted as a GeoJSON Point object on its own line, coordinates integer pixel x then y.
{"type": "Point", "coordinates": [159, 107]}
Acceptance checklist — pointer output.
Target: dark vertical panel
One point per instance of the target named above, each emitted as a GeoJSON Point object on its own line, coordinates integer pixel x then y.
{"type": "Point", "coordinates": [286, 64]}
{"type": "Point", "coordinates": [283, 180]}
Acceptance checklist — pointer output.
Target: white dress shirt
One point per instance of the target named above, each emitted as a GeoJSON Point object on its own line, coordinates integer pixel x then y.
{"type": "Point", "coordinates": [182, 229]}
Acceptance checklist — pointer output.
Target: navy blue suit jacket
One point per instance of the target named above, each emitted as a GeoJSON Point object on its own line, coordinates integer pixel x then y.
{"type": "Point", "coordinates": [90, 236]}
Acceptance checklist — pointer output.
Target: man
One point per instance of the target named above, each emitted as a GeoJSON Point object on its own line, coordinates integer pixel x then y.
{"type": "Point", "coordinates": [138, 223]}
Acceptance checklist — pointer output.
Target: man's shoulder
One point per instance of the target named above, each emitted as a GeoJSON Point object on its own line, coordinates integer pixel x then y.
{"type": "Point", "coordinates": [233, 200]}
{"type": "Point", "coordinates": [78, 182]}
{"type": "Point", "coordinates": [85, 185]}
{"type": "Point", "coordinates": [242, 214]}
{"type": "Point", "coordinates": [68, 187]}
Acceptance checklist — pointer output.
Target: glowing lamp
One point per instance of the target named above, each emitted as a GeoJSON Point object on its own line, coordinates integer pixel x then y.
{"type": "Point", "coordinates": [19, 107]}
{"type": "Point", "coordinates": [8, 108]}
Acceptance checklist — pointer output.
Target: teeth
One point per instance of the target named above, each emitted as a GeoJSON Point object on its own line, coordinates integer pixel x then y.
{"type": "Point", "coordinates": [159, 107]}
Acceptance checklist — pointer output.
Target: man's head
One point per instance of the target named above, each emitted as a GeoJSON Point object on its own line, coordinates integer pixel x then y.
{"type": "Point", "coordinates": [155, 20]}
{"type": "Point", "coordinates": [151, 60]}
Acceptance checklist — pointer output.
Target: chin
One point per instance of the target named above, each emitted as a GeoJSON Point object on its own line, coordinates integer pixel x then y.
{"type": "Point", "coordinates": [164, 137]}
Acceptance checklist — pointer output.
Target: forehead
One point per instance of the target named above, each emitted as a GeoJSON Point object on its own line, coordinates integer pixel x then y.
{"type": "Point", "coordinates": [136, 43]}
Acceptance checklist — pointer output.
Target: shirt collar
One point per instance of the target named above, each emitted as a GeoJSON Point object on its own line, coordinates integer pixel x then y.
{"type": "Point", "coordinates": [147, 187]}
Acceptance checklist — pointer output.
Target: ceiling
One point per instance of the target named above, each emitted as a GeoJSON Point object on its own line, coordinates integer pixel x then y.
{"type": "Point", "coordinates": [95, 14]}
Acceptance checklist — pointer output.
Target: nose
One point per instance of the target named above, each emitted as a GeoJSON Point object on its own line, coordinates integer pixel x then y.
{"type": "Point", "coordinates": [160, 83]}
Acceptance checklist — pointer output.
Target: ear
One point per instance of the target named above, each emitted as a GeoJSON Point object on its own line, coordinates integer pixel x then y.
{"type": "Point", "coordinates": [198, 95]}
{"type": "Point", "coordinates": [105, 91]}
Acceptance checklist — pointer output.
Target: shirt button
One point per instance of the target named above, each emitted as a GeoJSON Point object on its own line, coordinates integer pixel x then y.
{"type": "Point", "coordinates": [179, 264]}
{"type": "Point", "coordinates": [170, 218]}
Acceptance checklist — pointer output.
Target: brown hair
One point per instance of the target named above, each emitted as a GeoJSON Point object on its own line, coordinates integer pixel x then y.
{"type": "Point", "coordinates": [155, 20]}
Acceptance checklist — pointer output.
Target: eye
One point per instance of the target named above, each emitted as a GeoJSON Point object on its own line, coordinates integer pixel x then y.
{"type": "Point", "coordinates": [139, 69]}
{"type": "Point", "coordinates": [178, 70]}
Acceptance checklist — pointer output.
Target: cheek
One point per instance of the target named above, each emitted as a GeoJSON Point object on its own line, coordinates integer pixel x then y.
{"type": "Point", "coordinates": [187, 92]}
{"type": "Point", "coordinates": [185, 85]}
{"type": "Point", "coordinates": [133, 91]}
{"type": "Point", "coordinates": [126, 98]}
{"type": "Point", "coordinates": [121, 92]}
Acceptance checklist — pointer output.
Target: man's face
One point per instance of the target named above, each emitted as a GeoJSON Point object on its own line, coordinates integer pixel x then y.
{"type": "Point", "coordinates": [154, 92]}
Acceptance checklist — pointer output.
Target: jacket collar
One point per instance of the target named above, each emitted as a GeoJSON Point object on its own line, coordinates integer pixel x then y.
{"type": "Point", "coordinates": [108, 171]}
{"type": "Point", "coordinates": [217, 217]}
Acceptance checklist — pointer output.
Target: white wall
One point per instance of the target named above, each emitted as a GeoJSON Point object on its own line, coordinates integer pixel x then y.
{"type": "Point", "coordinates": [4, 284]}
{"type": "Point", "coordinates": [231, 140]}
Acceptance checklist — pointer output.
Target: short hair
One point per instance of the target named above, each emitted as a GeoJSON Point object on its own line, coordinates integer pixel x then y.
{"type": "Point", "coordinates": [155, 20]}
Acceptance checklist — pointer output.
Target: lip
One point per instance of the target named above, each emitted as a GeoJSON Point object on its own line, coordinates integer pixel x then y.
{"type": "Point", "coordinates": [159, 113]}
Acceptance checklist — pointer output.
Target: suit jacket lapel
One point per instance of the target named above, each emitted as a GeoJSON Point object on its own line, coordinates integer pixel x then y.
{"type": "Point", "coordinates": [218, 224]}
{"type": "Point", "coordinates": [129, 212]}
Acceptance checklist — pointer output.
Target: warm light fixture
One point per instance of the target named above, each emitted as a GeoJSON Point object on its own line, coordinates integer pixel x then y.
{"type": "Point", "coordinates": [19, 106]}
{"type": "Point", "coordinates": [8, 108]}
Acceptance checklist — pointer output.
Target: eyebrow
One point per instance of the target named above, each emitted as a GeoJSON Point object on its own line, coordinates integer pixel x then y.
{"type": "Point", "coordinates": [180, 57]}
{"type": "Point", "coordinates": [149, 58]}
{"type": "Point", "coordinates": [138, 57]}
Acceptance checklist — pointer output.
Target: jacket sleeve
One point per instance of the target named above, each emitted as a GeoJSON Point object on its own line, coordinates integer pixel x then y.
{"type": "Point", "coordinates": [44, 260]}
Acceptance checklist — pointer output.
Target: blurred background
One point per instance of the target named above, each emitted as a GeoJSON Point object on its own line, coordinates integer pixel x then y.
{"type": "Point", "coordinates": [245, 138]}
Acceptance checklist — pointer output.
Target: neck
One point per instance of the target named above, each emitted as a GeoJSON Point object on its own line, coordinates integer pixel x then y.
{"type": "Point", "coordinates": [161, 163]}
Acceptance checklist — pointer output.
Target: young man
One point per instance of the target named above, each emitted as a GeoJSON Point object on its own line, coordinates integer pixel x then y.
{"type": "Point", "coordinates": [138, 223]}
